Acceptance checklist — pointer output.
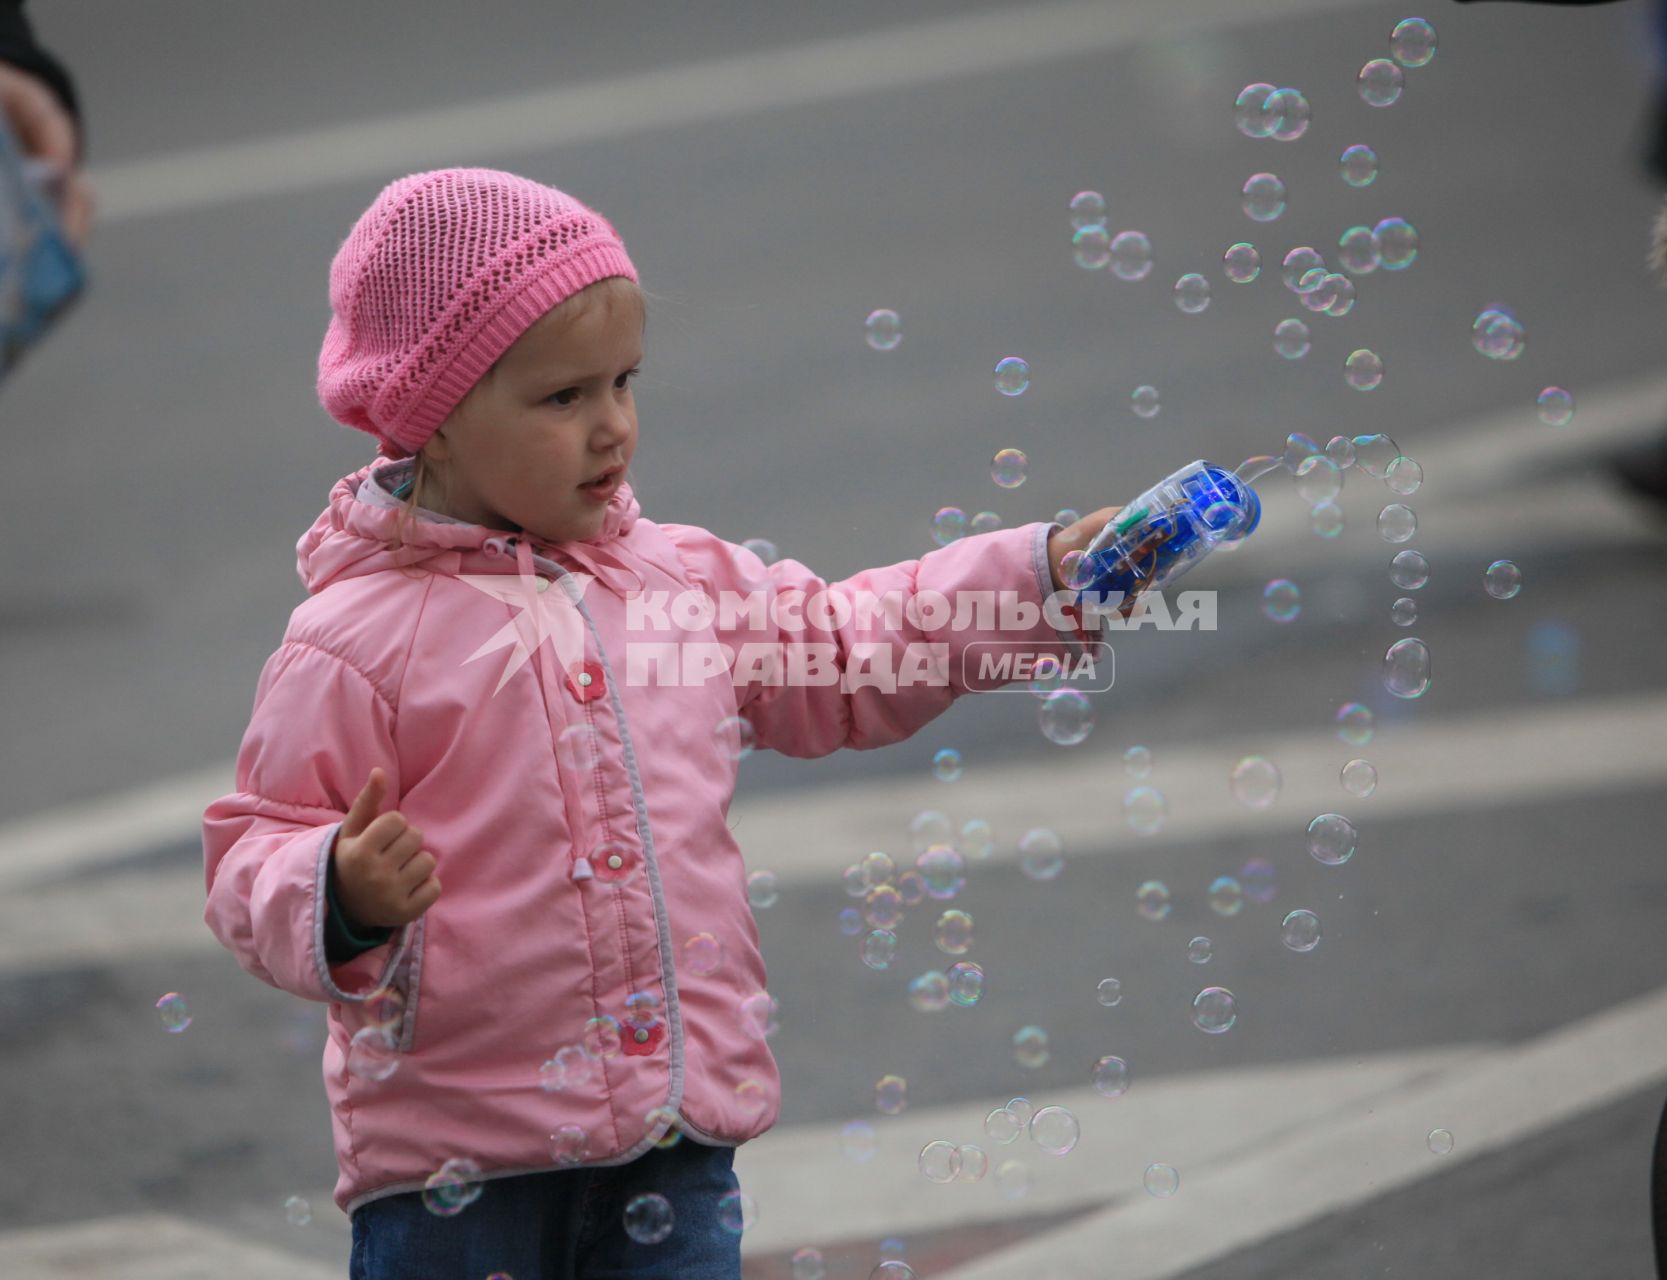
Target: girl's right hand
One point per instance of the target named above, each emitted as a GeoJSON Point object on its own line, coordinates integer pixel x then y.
{"type": "Point", "coordinates": [384, 877]}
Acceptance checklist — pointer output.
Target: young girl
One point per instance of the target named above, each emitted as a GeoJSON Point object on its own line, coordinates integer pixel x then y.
{"type": "Point", "coordinates": [467, 816]}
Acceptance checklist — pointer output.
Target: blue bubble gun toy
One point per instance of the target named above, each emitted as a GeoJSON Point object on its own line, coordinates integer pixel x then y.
{"type": "Point", "coordinates": [1166, 530]}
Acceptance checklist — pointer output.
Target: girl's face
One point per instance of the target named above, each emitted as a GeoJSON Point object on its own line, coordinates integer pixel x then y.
{"type": "Point", "coordinates": [520, 450]}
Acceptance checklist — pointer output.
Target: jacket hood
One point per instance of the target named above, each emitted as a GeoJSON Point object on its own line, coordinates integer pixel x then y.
{"type": "Point", "coordinates": [350, 537]}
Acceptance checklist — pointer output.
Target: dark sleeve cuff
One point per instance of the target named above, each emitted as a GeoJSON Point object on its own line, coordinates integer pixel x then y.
{"type": "Point", "coordinates": [18, 47]}
{"type": "Point", "coordinates": [344, 939]}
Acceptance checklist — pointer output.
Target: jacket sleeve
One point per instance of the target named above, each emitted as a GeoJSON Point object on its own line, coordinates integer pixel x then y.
{"type": "Point", "coordinates": [318, 727]}
{"type": "Point", "coordinates": [861, 672]}
{"type": "Point", "coordinates": [18, 47]}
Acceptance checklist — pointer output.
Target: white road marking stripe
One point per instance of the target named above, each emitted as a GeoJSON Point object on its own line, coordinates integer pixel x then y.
{"type": "Point", "coordinates": [1450, 764]}
{"type": "Point", "coordinates": [822, 70]}
{"type": "Point", "coordinates": [145, 1247]}
{"type": "Point", "coordinates": [808, 1193]}
{"type": "Point", "coordinates": [1310, 1171]}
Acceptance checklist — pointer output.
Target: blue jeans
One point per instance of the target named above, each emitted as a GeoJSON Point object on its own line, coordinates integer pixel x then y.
{"type": "Point", "coordinates": [560, 1225]}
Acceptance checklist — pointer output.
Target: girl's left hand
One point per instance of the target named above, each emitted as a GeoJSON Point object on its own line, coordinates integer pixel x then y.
{"type": "Point", "coordinates": [1075, 537]}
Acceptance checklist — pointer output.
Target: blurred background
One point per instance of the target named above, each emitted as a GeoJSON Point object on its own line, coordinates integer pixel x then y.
{"type": "Point", "coordinates": [1462, 1078]}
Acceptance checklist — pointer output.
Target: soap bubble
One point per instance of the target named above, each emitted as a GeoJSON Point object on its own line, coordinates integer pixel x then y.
{"type": "Point", "coordinates": [736, 736]}
{"type": "Point", "coordinates": [175, 1014]}
{"type": "Point", "coordinates": [1298, 449]}
{"type": "Point", "coordinates": [978, 839]}
{"type": "Point", "coordinates": [1359, 778]}
{"type": "Point", "coordinates": [850, 921]}
{"type": "Point", "coordinates": [1363, 370]}
{"type": "Point", "coordinates": [940, 1161]}
{"type": "Point", "coordinates": [762, 890]}
{"type": "Point", "coordinates": [941, 869]}
{"type": "Point", "coordinates": [884, 330]}
{"type": "Point", "coordinates": [1030, 1046]}
{"type": "Point", "coordinates": [1091, 248]}
{"type": "Point", "coordinates": [1502, 580]}
{"type": "Point", "coordinates": [1298, 263]}
{"type": "Point", "coordinates": [1260, 883]}
{"type": "Point", "coordinates": [298, 1213]}
{"type": "Point", "coordinates": [1002, 1126]}
{"type": "Point", "coordinates": [737, 1213]}
{"type": "Point", "coordinates": [372, 1054]}
{"type": "Point", "coordinates": [1255, 782]}
{"type": "Point", "coordinates": [1318, 479]}
{"type": "Point", "coordinates": [1412, 42]}
{"type": "Point", "coordinates": [703, 954]}
{"type": "Point", "coordinates": [1152, 900]}
{"type": "Point", "coordinates": [1250, 112]}
{"type": "Point", "coordinates": [891, 1094]}
{"type": "Point", "coordinates": [1192, 293]}
{"type": "Point", "coordinates": [1404, 612]}
{"type": "Point", "coordinates": [1290, 339]}
{"type": "Point", "coordinates": [1214, 1010]}
{"type": "Point", "coordinates": [930, 991]}
{"type": "Point", "coordinates": [1041, 854]}
{"type": "Point", "coordinates": [1326, 519]}
{"type": "Point", "coordinates": [1007, 468]}
{"type": "Point", "coordinates": [1498, 334]}
{"type": "Point", "coordinates": [1242, 263]}
{"type": "Point", "coordinates": [1055, 1130]}
{"type": "Point", "coordinates": [954, 932]}
{"type": "Point", "coordinates": [1359, 165]}
{"type": "Point", "coordinates": [1226, 896]}
{"type": "Point", "coordinates": [1300, 931]}
{"type": "Point", "coordinates": [879, 949]}
{"type": "Point", "coordinates": [1332, 839]}
{"type": "Point", "coordinates": [1264, 197]}
{"type": "Point", "coordinates": [1441, 1141]}
{"type": "Point", "coordinates": [1066, 717]}
{"type": "Point", "coordinates": [1404, 477]}
{"type": "Point", "coordinates": [1380, 82]}
{"type": "Point", "coordinates": [948, 524]}
{"type": "Point", "coordinates": [1281, 600]}
{"type": "Point", "coordinates": [1359, 251]}
{"type": "Point", "coordinates": [1137, 762]}
{"type": "Point", "coordinates": [1109, 993]}
{"type": "Point", "coordinates": [858, 1141]}
{"type": "Point", "coordinates": [1340, 292]}
{"type": "Point", "coordinates": [1556, 407]}
{"type": "Point", "coordinates": [1131, 255]}
{"type": "Point", "coordinates": [1396, 523]}
{"type": "Point", "coordinates": [966, 983]}
{"type": "Point", "coordinates": [648, 1218]}
{"type": "Point", "coordinates": [1288, 112]}
{"type": "Point", "coordinates": [974, 1163]}
{"type": "Point", "coordinates": [946, 764]}
{"type": "Point", "coordinates": [1012, 375]}
{"type": "Point", "coordinates": [1354, 724]}
{"type": "Point", "coordinates": [808, 1264]}
{"type": "Point", "coordinates": [1409, 570]}
{"type": "Point", "coordinates": [1398, 243]}
{"type": "Point", "coordinates": [1088, 209]}
{"type": "Point", "coordinates": [984, 522]}
{"type": "Point", "coordinates": [1317, 289]}
{"type": "Point", "coordinates": [1162, 1180]}
{"type": "Point", "coordinates": [1012, 1181]}
{"type": "Point", "coordinates": [1199, 951]}
{"type": "Point", "coordinates": [1145, 810]}
{"type": "Point", "coordinates": [1111, 1077]}
{"type": "Point", "coordinates": [1340, 449]}
{"type": "Point", "coordinates": [1144, 401]}
{"type": "Point", "coordinates": [1375, 454]}
{"type": "Point", "coordinates": [1406, 668]}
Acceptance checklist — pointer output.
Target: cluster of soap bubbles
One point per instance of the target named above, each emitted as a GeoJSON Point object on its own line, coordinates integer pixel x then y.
{"type": "Point", "coordinates": [453, 1187]}
{"type": "Point", "coordinates": [937, 875]}
{"type": "Point", "coordinates": [1144, 807]}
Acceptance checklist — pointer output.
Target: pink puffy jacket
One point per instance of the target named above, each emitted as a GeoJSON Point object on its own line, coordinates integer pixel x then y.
{"type": "Point", "coordinates": [591, 970]}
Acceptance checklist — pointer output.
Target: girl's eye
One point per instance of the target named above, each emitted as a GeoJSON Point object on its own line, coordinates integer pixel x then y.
{"type": "Point", "coordinates": [563, 398]}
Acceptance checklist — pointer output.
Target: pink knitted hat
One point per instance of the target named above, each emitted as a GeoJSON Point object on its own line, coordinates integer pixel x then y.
{"type": "Point", "coordinates": [437, 279]}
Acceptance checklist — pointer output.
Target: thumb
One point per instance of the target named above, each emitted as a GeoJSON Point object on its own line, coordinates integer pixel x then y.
{"type": "Point", "coordinates": [367, 804]}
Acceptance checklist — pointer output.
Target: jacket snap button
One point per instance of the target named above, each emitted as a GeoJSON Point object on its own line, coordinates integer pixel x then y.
{"type": "Point", "coordinates": [585, 682]}
{"type": "Point", "coordinates": [642, 1035]}
{"type": "Point", "coordinates": [543, 585]}
{"type": "Point", "coordinates": [584, 679]}
{"type": "Point", "coordinates": [615, 861]}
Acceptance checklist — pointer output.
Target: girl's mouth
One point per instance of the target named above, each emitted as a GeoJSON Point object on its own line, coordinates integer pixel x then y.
{"type": "Point", "coordinates": [603, 486]}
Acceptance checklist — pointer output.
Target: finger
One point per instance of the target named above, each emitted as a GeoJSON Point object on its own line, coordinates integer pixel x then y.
{"type": "Point", "coordinates": [366, 805]}
{"type": "Point", "coordinates": [400, 848]}
{"type": "Point", "coordinates": [418, 868]}
{"type": "Point", "coordinates": [425, 895]}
